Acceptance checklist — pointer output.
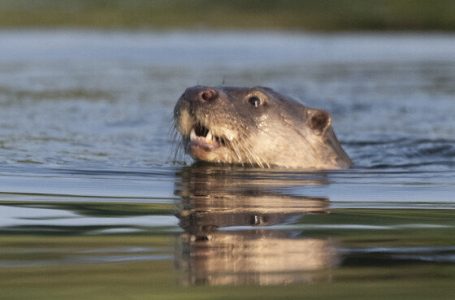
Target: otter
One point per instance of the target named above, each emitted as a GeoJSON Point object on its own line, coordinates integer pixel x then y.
{"type": "Point", "coordinates": [258, 127]}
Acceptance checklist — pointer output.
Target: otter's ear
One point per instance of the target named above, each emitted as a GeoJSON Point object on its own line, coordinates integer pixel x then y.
{"type": "Point", "coordinates": [318, 120]}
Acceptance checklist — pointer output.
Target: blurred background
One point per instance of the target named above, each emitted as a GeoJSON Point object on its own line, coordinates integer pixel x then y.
{"type": "Point", "coordinates": [326, 15]}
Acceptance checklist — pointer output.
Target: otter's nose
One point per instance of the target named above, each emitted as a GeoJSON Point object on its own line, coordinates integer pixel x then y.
{"type": "Point", "coordinates": [208, 94]}
{"type": "Point", "coordinates": [199, 93]}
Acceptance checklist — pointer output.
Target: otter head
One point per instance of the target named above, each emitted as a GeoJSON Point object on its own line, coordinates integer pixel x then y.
{"type": "Point", "coordinates": [256, 126]}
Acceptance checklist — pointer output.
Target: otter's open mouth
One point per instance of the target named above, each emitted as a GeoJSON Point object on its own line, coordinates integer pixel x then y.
{"type": "Point", "coordinates": [202, 137]}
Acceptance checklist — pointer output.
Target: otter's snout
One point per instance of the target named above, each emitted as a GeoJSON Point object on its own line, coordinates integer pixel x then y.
{"type": "Point", "coordinates": [201, 94]}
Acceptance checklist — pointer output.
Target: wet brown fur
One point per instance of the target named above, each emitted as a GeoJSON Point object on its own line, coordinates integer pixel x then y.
{"type": "Point", "coordinates": [259, 127]}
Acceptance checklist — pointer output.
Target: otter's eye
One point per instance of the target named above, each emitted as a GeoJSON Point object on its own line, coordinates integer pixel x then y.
{"type": "Point", "coordinates": [255, 101]}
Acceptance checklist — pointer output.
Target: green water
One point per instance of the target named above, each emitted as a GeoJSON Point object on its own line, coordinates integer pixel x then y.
{"type": "Point", "coordinates": [388, 261]}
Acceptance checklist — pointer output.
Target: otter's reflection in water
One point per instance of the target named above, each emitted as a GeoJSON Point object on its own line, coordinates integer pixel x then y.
{"type": "Point", "coordinates": [226, 213]}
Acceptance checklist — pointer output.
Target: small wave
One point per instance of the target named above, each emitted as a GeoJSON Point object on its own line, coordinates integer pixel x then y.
{"type": "Point", "coordinates": [403, 153]}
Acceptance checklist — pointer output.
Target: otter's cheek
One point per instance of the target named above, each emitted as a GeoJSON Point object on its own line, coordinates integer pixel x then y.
{"type": "Point", "coordinates": [230, 134]}
{"type": "Point", "coordinates": [185, 122]}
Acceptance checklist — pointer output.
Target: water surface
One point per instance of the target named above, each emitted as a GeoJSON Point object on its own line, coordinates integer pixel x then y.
{"type": "Point", "coordinates": [94, 204]}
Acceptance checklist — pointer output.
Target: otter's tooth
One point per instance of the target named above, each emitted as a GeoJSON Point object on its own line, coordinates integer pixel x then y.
{"type": "Point", "coordinates": [209, 136]}
{"type": "Point", "coordinates": [193, 134]}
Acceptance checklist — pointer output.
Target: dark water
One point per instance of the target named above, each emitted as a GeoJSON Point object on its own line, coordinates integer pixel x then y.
{"type": "Point", "coordinates": [94, 205]}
